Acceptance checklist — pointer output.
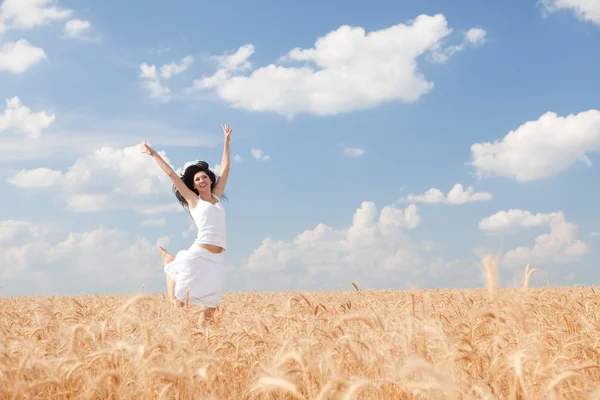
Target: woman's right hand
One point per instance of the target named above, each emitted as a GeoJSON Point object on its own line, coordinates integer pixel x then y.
{"type": "Point", "coordinates": [146, 147]}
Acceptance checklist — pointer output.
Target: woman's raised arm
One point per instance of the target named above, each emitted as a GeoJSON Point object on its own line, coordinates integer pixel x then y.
{"type": "Point", "coordinates": [187, 194]}
{"type": "Point", "coordinates": [225, 163]}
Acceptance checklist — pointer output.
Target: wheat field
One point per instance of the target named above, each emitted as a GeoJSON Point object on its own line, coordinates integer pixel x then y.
{"type": "Point", "coordinates": [488, 343]}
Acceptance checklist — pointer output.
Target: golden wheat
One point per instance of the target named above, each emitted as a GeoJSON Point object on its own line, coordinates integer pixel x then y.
{"type": "Point", "coordinates": [526, 343]}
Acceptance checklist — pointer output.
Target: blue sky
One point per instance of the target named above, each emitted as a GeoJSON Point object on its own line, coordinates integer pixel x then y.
{"type": "Point", "coordinates": [344, 116]}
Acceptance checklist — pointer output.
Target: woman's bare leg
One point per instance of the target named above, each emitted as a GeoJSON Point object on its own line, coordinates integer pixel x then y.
{"type": "Point", "coordinates": [167, 258]}
{"type": "Point", "coordinates": [206, 315]}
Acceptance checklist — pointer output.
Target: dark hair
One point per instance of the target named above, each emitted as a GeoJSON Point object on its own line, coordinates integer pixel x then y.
{"type": "Point", "coordinates": [188, 180]}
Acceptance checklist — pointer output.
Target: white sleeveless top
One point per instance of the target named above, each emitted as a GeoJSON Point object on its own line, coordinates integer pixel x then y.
{"type": "Point", "coordinates": [210, 221]}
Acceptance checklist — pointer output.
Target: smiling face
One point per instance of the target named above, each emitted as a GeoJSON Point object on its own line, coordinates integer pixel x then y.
{"type": "Point", "coordinates": [202, 182]}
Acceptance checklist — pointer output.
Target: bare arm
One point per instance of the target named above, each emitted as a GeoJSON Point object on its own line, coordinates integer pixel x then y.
{"type": "Point", "coordinates": [225, 164]}
{"type": "Point", "coordinates": [187, 194]}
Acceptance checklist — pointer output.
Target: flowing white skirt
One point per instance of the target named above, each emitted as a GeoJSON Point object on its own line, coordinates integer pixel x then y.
{"type": "Point", "coordinates": [200, 272]}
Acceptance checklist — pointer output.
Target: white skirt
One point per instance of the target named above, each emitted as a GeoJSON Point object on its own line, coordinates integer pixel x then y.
{"type": "Point", "coordinates": [200, 272]}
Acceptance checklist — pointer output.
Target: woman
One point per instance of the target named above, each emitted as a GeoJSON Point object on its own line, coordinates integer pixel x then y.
{"type": "Point", "coordinates": [196, 275]}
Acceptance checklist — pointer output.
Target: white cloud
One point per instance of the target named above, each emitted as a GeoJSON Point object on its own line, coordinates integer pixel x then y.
{"type": "Point", "coordinates": [373, 247]}
{"type": "Point", "coordinates": [103, 256]}
{"type": "Point", "coordinates": [347, 70]}
{"type": "Point", "coordinates": [77, 29]}
{"type": "Point", "coordinates": [10, 230]}
{"type": "Point", "coordinates": [26, 14]}
{"type": "Point", "coordinates": [217, 169]}
{"type": "Point", "coordinates": [21, 119]}
{"type": "Point", "coordinates": [586, 10]}
{"type": "Point", "coordinates": [353, 151]}
{"type": "Point", "coordinates": [152, 83]}
{"type": "Point", "coordinates": [259, 155]}
{"type": "Point", "coordinates": [152, 77]}
{"type": "Point", "coordinates": [237, 61]}
{"type": "Point", "coordinates": [515, 219]}
{"type": "Point", "coordinates": [456, 195]}
{"type": "Point", "coordinates": [539, 149]}
{"type": "Point", "coordinates": [17, 57]}
{"type": "Point", "coordinates": [15, 259]}
{"type": "Point", "coordinates": [108, 179]}
{"type": "Point", "coordinates": [37, 178]}
{"type": "Point", "coordinates": [473, 37]}
{"type": "Point", "coordinates": [174, 68]}
{"type": "Point", "coordinates": [237, 158]}
{"type": "Point", "coordinates": [228, 63]}
{"type": "Point", "coordinates": [560, 245]}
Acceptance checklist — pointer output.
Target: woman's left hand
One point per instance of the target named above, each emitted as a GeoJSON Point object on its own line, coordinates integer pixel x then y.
{"type": "Point", "coordinates": [146, 147]}
{"type": "Point", "coordinates": [226, 131]}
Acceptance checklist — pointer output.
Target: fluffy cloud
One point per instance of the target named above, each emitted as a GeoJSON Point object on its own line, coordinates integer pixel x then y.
{"type": "Point", "coordinates": [259, 155]}
{"type": "Point", "coordinates": [237, 61]}
{"type": "Point", "coordinates": [37, 178]}
{"type": "Point", "coordinates": [151, 82]}
{"type": "Point", "coordinates": [11, 230]}
{"type": "Point", "coordinates": [586, 10]}
{"type": "Point", "coordinates": [560, 245]}
{"type": "Point", "coordinates": [473, 37]}
{"type": "Point", "coordinates": [21, 119]}
{"type": "Point", "coordinates": [456, 195]}
{"type": "Point", "coordinates": [25, 14]}
{"type": "Point", "coordinates": [78, 29]}
{"type": "Point", "coordinates": [514, 220]}
{"type": "Point", "coordinates": [17, 57]}
{"type": "Point", "coordinates": [106, 259]}
{"type": "Point", "coordinates": [108, 179]}
{"type": "Point", "coordinates": [348, 69]}
{"type": "Point", "coordinates": [540, 149]}
{"type": "Point", "coordinates": [174, 68]}
{"type": "Point", "coordinates": [153, 77]}
{"type": "Point", "coordinates": [228, 63]}
{"type": "Point", "coordinates": [374, 250]}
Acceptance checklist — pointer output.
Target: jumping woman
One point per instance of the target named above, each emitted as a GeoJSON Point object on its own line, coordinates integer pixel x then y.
{"type": "Point", "coordinates": [197, 274]}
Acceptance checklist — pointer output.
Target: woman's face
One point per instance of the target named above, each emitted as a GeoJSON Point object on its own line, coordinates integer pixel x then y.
{"type": "Point", "coordinates": [202, 182]}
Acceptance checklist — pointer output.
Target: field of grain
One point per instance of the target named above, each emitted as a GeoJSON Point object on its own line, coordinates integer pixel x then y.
{"type": "Point", "coordinates": [526, 343]}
